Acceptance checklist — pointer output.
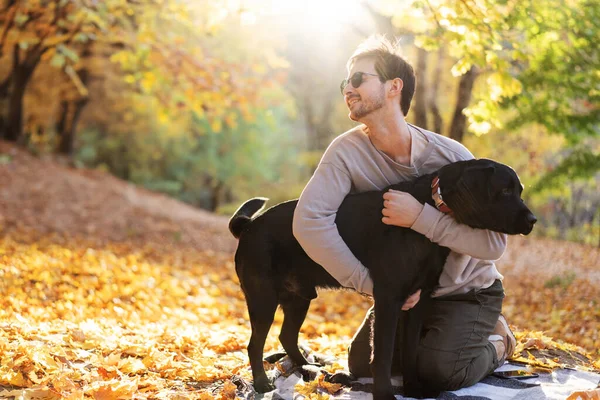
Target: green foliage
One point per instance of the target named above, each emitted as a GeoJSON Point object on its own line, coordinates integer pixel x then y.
{"type": "Point", "coordinates": [561, 89]}
{"type": "Point", "coordinates": [199, 165]}
{"type": "Point", "coordinates": [539, 64]}
{"type": "Point", "coordinates": [581, 163]}
{"type": "Point", "coordinates": [563, 281]}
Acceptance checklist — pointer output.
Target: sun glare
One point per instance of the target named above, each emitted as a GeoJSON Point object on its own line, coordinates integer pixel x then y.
{"type": "Point", "coordinates": [325, 16]}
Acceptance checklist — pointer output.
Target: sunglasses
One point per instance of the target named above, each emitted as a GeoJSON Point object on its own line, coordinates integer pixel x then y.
{"type": "Point", "coordinates": [356, 80]}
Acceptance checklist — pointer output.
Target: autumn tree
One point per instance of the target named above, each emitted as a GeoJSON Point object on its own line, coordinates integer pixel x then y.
{"type": "Point", "coordinates": [154, 42]}
{"type": "Point", "coordinates": [536, 62]}
{"type": "Point", "coordinates": [200, 115]}
{"type": "Point", "coordinates": [31, 31]}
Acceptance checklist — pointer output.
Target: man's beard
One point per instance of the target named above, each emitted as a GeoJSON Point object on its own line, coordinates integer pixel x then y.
{"type": "Point", "coordinates": [366, 107]}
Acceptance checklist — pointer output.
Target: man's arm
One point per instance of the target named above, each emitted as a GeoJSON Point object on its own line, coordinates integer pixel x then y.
{"type": "Point", "coordinates": [402, 209]}
{"type": "Point", "coordinates": [442, 229]}
{"type": "Point", "coordinates": [315, 229]}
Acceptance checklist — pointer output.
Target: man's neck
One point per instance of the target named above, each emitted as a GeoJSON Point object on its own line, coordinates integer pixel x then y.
{"type": "Point", "coordinates": [392, 137]}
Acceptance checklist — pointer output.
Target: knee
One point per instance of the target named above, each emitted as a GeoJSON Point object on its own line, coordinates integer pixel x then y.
{"type": "Point", "coordinates": [435, 370]}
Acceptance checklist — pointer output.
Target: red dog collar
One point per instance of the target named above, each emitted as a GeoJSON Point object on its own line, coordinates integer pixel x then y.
{"type": "Point", "coordinates": [436, 194]}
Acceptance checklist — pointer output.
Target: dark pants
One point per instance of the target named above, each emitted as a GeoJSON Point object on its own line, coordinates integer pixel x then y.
{"type": "Point", "coordinates": [454, 351]}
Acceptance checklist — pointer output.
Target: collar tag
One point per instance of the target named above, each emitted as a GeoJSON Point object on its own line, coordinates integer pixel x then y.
{"type": "Point", "coordinates": [436, 195]}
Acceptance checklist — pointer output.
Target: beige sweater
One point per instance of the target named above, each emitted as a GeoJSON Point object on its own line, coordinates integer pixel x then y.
{"type": "Point", "coordinates": [351, 164]}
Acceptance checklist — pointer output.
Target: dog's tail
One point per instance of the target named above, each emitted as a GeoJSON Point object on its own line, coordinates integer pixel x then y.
{"type": "Point", "coordinates": [245, 214]}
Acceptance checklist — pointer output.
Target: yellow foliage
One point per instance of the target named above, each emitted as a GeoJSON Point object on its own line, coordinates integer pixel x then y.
{"type": "Point", "coordinates": [502, 84]}
{"type": "Point", "coordinates": [228, 391]}
{"type": "Point", "coordinates": [122, 321]}
{"type": "Point", "coordinates": [316, 388]}
{"type": "Point", "coordinates": [585, 395]}
{"type": "Point", "coordinates": [216, 125]}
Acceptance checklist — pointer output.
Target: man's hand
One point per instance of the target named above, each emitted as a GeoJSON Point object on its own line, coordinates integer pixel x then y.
{"type": "Point", "coordinates": [412, 300]}
{"type": "Point", "coordinates": [400, 208]}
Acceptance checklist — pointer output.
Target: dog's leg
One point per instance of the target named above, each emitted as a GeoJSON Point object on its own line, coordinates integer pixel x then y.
{"type": "Point", "coordinates": [294, 311]}
{"type": "Point", "coordinates": [261, 309]}
{"type": "Point", "coordinates": [412, 335]}
{"type": "Point", "coordinates": [387, 311]}
{"type": "Point", "coordinates": [413, 386]}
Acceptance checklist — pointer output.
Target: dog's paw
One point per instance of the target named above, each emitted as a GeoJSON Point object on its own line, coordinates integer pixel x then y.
{"type": "Point", "coordinates": [274, 357]}
{"type": "Point", "coordinates": [309, 371]}
{"type": "Point", "coordinates": [342, 377]}
{"type": "Point", "coordinates": [263, 386]}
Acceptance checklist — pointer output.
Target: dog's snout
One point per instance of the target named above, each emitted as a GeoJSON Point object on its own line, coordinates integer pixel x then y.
{"type": "Point", "coordinates": [528, 220]}
{"type": "Point", "coordinates": [531, 219]}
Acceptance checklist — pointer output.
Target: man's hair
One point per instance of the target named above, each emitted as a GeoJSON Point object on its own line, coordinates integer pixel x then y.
{"type": "Point", "coordinates": [389, 64]}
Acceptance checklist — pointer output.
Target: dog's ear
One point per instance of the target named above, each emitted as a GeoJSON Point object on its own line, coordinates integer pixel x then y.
{"type": "Point", "coordinates": [451, 174]}
{"type": "Point", "coordinates": [488, 171]}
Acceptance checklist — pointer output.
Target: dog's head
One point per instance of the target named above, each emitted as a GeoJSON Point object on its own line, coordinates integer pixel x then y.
{"type": "Point", "coordinates": [486, 194]}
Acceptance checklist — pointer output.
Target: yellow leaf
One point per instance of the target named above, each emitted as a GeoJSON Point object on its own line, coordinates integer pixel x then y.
{"type": "Point", "coordinates": [112, 390]}
{"type": "Point", "coordinates": [131, 365]}
{"type": "Point", "coordinates": [216, 125]}
{"type": "Point", "coordinates": [228, 391]}
{"type": "Point", "coordinates": [585, 395]}
{"type": "Point", "coordinates": [14, 378]}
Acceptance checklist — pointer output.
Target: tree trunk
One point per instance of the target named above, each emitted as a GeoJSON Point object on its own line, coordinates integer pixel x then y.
{"type": "Point", "coordinates": [70, 111]}
{"type": "Point", "coordinates": [465, 90]}
{"type": "Point", "coordinates": [318, 127]}
{"type": "Point", "coordinates": [420, 100]}
{"type": "Point", "coordinates": [217, 193]}
{"type": "Point", "coordinates": [20, 76]}
{"type": "Point", "coordinates": [437, 81]}
{"type": "Point", "coordinates": [4, 91]}
{"type": "Point", "coordinates": [311, 130]}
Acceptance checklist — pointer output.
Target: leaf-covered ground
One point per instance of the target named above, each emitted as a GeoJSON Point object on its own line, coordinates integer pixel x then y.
{"type": "Point", "coordinates": [108, 291]}
{"type": "Point", "coordinates": [109, 322]}
{"type": "Point", "coordinates": [79, 320]}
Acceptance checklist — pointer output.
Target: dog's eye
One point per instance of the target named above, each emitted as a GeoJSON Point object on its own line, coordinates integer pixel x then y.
{"type": "Point", "coordinates": [506, 192]}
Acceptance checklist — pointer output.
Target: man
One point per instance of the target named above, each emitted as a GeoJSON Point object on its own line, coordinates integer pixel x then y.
{"type": "Point", "coordinates": [464, 337]}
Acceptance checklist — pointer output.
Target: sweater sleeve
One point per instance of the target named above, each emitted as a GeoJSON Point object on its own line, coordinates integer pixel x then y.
{"type": "Point", "coordinates": [315, 229]}
{"type": "Point", "coordinates": [445, 231]}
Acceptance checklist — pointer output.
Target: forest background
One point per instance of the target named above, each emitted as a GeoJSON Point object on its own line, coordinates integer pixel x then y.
{"type": "Point", "coordinates": [213, 102]}
{"type": "Point", "coordinates": [108, 290]}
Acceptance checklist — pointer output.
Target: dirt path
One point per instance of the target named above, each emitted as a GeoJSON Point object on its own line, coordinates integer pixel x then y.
{"type": "Point", "coordinates": [49, 197]}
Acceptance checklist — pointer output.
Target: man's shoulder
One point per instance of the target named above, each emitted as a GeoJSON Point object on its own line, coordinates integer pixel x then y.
{"type": "Point", "coordinates": [348, 142]}
{"type": "Point", "coordinates": [355, 135]}
{"type": "Point", "coordinates": [450, 147]}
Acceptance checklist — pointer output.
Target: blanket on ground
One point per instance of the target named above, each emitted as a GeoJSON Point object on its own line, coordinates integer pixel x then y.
{"type": "Point", "coordinates": [558, 384]}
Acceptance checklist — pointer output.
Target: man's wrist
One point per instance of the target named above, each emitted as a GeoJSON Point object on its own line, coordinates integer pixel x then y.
{"type": "Point", "coordinates": [425, 220]}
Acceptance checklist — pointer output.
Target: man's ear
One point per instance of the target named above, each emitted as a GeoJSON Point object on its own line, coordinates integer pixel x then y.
{"type": "Point", "coordinates": [396, 86]}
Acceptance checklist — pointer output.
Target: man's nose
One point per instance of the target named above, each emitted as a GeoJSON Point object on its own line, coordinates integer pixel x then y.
{"type": "Point", "coordinates": [348, 90]}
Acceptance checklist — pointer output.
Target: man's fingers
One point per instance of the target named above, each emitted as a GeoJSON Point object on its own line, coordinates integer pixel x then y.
{"type": "Point", "coordinates": [412, 300]}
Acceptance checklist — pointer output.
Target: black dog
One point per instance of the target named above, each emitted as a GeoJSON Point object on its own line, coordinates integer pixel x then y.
{"type": "Point", "coordinates": [274, 270]}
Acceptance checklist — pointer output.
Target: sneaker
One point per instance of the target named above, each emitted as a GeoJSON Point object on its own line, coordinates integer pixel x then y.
{"type": "Point", "coordinates": [503, 340]}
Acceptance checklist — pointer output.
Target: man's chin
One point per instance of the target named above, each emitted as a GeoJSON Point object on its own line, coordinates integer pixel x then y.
{"type": "Point", "coordinates": [353, 116]}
